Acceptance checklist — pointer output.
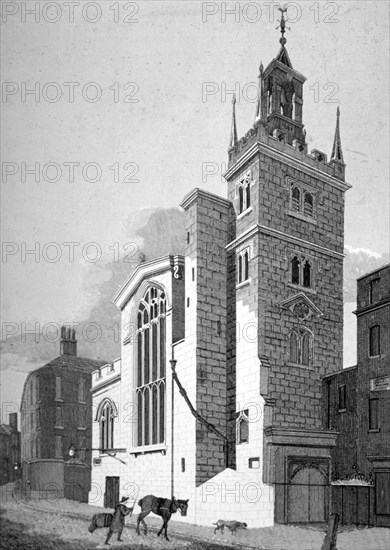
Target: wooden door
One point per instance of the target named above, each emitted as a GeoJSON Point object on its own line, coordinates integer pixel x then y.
{"type": "Point", "coordinates": [111, 495]}
{"type": "Point", "coordinates": [307, 497]}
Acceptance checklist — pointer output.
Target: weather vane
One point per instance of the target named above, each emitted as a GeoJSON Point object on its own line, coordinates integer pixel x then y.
{"type": "Point", "coordinates": [282, 25]}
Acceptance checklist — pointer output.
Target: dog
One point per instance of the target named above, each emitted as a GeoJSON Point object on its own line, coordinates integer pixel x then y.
{"type": "Point", "coordinates": [231, 525]}
{"type": "Point", "coordinates": [99, 521]}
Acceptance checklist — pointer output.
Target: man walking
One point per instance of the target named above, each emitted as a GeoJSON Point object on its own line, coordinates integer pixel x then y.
{"type": "Point", "coordinates": [118, 521]}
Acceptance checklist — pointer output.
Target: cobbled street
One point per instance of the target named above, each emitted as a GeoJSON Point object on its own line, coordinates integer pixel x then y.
{"type": "Point", "coordinates": [23, 528]}
{"type": "Point", "coordinates": [63, 525]}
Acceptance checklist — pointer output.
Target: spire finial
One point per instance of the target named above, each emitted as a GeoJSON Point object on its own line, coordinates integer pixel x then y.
{"type": "Point", "coordinates": [259, 93]}
{"type": "Point", "coordinates": [233, 134]}
{"type": "Point", "coordinates": [337, 152]}
{"type": "Point", "coordinates": [282, 26]}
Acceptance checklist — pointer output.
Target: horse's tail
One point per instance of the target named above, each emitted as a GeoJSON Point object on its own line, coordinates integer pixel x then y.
{"type": "Point", "coordinates": [140, 502]}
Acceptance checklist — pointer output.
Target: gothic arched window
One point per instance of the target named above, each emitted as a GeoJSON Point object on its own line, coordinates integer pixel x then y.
{"type": "Point", "coordinates": [308, 204]}
{"type": "Point", "coordinates": [240, 268]}
{"type": "Point", "coordinates": [248, 195]}
{"type": "Point", "coordinates": [293, 348]}
{"type": "Point", "coordinates": [106, 425]}
{"type": "Point", "coordinates": [244, 195]}
{"type": "Point", "coordinates": [307, 274]}
{"type": "Point", "coordinates": [246, 265]}
{"type": "Point", "coordinates": [241, 199]}
{"type": "Point", "coordinates": [301, 347]}
{"type": "Point", "coordinates": [242, 426]}
{"type": "Point", "coordinates": [296, 199]}
{"type": "Point", "coordinates": [243, 266]}
{"type": "Point", "coordinates": [305, 352]}
{"type": "Point", "coordinates": [295, 269]}
{"type": "Point", "coordinates": [302, 200]}
{"type": "Point", "coordinates": [150, 379]}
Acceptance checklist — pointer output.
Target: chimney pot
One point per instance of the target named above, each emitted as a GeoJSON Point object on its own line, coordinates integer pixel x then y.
{"type": "Point", "coordinates": [68, 343]}
{"type": "Point", "coordinates": [13, 421]}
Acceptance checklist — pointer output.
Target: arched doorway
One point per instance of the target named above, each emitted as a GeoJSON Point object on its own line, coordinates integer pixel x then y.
{"type": "Point", "coordinates": [308, 490]}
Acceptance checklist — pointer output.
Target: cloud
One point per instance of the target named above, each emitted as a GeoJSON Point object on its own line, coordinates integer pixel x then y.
{"type": "Point", "coordinates": [365, 251]}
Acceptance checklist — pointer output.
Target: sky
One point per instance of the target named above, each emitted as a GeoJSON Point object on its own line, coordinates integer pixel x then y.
{"type": "Point", "coordinates": [132, 110]}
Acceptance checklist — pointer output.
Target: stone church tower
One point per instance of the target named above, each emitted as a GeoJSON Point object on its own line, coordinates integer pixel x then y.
{"type": "Point", "coordinates": [288, 250]}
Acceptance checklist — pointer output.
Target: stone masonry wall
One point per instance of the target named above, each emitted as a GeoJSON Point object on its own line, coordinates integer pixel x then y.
{"type": "Point", "coordinates": [207, 225]}
{"type": "Point", "coordinates": [297, 390]}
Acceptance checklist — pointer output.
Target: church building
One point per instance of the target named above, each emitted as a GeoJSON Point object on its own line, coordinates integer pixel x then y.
{"type": "Point", "coordinates": [217, 395]}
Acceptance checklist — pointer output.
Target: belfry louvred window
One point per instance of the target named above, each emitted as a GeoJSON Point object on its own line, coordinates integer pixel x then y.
{"type": "Point", "coordinates": [308, 204]}
{"type": "Point", "coordinates": [302, 200]}
{"type": "Point", "coordinates": [301, 272]}
{"type": "Point", "coordinates": [295, 270]}
{"type": "Point", "coordinates": [244, 194]}
{"type": "Point", "coordinates": [150, 375]}
{"type": "Point", "coordinates": [296, 199]}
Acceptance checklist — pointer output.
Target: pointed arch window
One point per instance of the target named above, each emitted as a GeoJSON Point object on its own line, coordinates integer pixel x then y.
{"type": "Point", "coordinates": [302, 201]}
{"type": "Point", "coordinates": [151, 369]}
{"type": "Point", "coordinates": [301, 347]}
{"type": "Point", "coordinates": [241, 199]}
{"type": "Point", "coordinates": [240, 268]}
{"type": "Point", "coordinates": [305, 349]}
{"type": "Point", "coordinates": [293, 347]}
{"type": "Point", "coordinates": [295, 270]}
{"type": "Point", "coordinates": [246, 265]}
{"type": "Point", "coordinates": [105, 416]}
{"type": "Point", "coordinates": [244, 196]}
{"type": "Point", "coordinates": [243, 266]}
{"type": "Point", "coordinates": [242, 426]}
{"type": "Point", "coordinates": [301, 272]}
{"type": "Point", "coordinates": [248, 195]}
{"type": "Point", "coordinates": [307, 274]}
{"type": "Point", "coordinates": [308, 204]}
{"type": "Point", "coordinates": [296, 199]}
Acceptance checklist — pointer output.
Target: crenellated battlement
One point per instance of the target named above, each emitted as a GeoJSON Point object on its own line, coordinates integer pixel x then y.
{"type": "Point", "coordinates": [259, 134]}
{"type": "Point", "coordinates": [106, 373]}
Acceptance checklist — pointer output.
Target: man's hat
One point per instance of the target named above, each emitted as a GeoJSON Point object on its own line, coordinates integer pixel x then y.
{"type": "Point", "coordinates": [124, 499]}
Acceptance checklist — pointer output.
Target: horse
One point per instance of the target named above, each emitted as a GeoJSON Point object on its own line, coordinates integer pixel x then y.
{"type": "Point", "coordinates": [161, 507]}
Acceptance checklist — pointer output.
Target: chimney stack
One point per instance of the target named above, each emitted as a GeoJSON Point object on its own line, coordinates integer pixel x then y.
{"type": "Point", "coordinates": [13, 421]}
{"type": "Point", "coordinates": [68, 343]}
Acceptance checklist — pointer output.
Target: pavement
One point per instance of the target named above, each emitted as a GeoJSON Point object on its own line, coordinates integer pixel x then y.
{"type": "Point", "coordinates": [278, 537]}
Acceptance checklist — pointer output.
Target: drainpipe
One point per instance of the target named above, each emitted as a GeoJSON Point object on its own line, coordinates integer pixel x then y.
{"type": "Point", "coordinates": [173, 365]}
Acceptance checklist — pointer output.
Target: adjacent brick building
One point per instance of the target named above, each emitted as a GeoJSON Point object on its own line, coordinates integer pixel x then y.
{"type": "Point", "coordinates": [56, 414]}
{"type": "Point", "coordinates": [9, 450]}
{"type": "Point", "coordinates": [252, 318]}
{"type": "Point", "coordinates": [357, 406]}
